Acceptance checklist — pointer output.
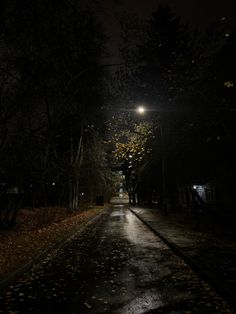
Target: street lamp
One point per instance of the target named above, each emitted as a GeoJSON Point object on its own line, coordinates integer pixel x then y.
{"type": "Point", "coordinates": [141, 110]}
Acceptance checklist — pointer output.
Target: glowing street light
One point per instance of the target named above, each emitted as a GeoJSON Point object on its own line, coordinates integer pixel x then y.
{"type": "Point", "coordinates": [141, 110]}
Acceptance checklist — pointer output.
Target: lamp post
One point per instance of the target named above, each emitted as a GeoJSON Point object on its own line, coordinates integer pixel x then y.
{"type": "Point", "coordinates": [141, 110]}
{"type": "Point", "coordinates": [163, 172]}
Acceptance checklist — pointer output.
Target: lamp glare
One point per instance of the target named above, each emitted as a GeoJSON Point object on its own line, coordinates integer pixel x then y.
{"type": "Point", "coordinates": [141, 110]}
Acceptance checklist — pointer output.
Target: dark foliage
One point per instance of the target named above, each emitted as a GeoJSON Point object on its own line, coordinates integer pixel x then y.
{"type": "Point", "coordinates": [187, 80]}
{"type": "Point", "coordinates": [50, 91]}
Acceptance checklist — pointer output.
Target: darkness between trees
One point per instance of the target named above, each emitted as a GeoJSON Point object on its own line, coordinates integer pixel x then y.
{"type": "Point", "coordinates": [58, 97]}
{"type": "Point", "coordinates": [186, 79]}
{"type": "Point", "coordinates": [51, 95]}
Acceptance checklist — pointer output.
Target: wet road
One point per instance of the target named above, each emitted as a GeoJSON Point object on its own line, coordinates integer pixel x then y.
{"type": "Point", "coordinates": [115, 266]}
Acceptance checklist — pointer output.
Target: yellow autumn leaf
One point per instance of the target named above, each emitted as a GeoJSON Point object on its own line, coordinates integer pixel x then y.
{"type": "Point", "coordinates": [229, 84]}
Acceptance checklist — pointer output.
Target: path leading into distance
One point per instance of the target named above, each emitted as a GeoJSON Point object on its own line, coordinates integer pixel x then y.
{"type": "Point", "coordinates": [117, 265]}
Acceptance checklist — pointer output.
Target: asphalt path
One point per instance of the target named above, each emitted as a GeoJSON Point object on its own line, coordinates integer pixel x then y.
{"type": "Point", "coordinates": [116, 265]}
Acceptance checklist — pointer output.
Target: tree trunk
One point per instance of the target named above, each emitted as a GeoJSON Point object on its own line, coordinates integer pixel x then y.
{"type": "Point", "coordinates": [133, 198]}
{"type": "Point", "coordinates": [45, 203]}
{"type": "Point", "coordinates": [76, 163]}
{"type": "Point", "coordinates": [130, 198]}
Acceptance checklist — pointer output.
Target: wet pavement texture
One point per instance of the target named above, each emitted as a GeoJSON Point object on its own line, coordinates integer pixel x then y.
{"type": "Point", "coordinates": [215, 260]}
{"type": "Point", "coordinates": [117, 265]}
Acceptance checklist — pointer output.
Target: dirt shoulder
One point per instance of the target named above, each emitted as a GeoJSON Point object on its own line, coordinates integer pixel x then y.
{"type": "Point", "coordinates": [35, 230]}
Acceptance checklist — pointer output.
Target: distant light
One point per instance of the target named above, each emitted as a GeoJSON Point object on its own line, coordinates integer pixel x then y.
{"type": "Point", "coordinates": [53, 183]}
{"type": "Point", "coordinates": [130, 156]}
{"type": "Point", "coordinates": [82, 193]}
{"type": "Point", "coordinates": [227, 35]}
{"type": "Point", "coordinates": [195, 187]}
{"type": "Point", "coordinates": [141, 110]}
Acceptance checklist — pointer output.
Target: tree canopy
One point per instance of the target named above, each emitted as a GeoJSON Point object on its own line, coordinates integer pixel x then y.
{"type": "Point", "coordinates": [182, 76]}
{"type": "Point", "coordinates": [51, 92]}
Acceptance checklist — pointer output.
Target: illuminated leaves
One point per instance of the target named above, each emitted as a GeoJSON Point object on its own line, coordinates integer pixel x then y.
{"type": "Point", "coordinates": [132, 145]}
{"type": "Point", "coordinates": [229, 84]}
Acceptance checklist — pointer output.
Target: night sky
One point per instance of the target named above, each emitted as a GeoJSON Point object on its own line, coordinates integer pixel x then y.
{"type": "Point", "coordinates": [201, 12]}
{"type": "Point", "coordinates": [197, 13]}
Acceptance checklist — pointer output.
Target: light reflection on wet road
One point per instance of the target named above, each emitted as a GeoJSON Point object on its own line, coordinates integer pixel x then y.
{"type": "Point", "coordinates": [115, 266]}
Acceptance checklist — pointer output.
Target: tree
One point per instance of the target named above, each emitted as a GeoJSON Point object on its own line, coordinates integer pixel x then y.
{"type": "Point", "coordinates": [50, 82]}
{"type": "Point", "coordinates": [130, 148]}
{"type": "Point", "coordinates": [166, 69]}
{"type": "Point", "coordinates": [97, 178]}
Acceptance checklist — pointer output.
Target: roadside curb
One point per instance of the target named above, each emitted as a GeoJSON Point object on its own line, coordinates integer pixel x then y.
{"type": "Point", "coordinates": [56, 244]}
{"type": "Point", "coordinates": [206, 277]}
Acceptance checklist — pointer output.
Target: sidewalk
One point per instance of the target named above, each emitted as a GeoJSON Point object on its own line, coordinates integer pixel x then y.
{"type": "Point", "coordinates": [21, 248]}
{"type": "Point", "coordinates": [213, 260]}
